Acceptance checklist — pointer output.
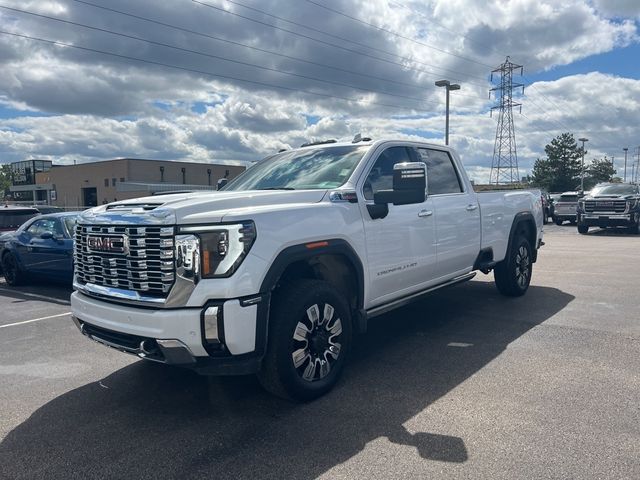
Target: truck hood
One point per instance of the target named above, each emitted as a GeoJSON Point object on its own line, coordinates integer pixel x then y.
{"type": "Point", "coordinates": [195, 207]}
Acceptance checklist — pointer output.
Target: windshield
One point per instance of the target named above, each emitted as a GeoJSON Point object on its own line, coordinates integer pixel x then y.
{"type": "Point", "coordinates": [13, 219]}
{"type": "Point", "coordinates": [311, 168]}
{"type": "Point", "coordinates": [568, 198]}
{"type": "Point", "coordinates": [620, 189]}
{"type": "Point", "coordinates": [70, 224]}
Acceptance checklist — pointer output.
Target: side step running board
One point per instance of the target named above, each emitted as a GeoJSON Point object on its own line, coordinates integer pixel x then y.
{"type": "Point", "coordinates": [382, 309]}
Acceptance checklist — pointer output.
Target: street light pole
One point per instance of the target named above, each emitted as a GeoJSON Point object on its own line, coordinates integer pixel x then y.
{"type": "Point", "coordinates": [448, 86]}
{"type": "Point", "coordinates": [582, 169]}
{"type": "Point", "coordinates": [625, 163]}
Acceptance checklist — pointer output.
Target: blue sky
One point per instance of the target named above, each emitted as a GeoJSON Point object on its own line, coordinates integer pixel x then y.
{"type": "Point", "coordinates": [296, 78]}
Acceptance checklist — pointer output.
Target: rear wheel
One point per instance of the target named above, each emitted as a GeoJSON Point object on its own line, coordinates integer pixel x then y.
{"type": "Point", "coordinates": [583, 229]}
{"type": "Point", "coordinates": [513, 274]}
{"type": "Point", "coordinates": [11, 270]}
{"type": "Point", "coordinates": [309, 338]}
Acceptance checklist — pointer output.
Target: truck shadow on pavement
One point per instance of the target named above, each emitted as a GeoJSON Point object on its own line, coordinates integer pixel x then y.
{"type": "Point", "coordinates": [152, 421]}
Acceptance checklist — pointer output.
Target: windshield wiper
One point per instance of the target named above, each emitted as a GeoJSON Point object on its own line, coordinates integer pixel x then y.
{"type": "Point", "coordinates": [277, 188]}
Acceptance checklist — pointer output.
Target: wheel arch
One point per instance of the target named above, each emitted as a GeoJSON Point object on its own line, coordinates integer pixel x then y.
{"type": "Point", "coordinates": [331, 260]}
{"type": "Point", "coordinates": [523, 223]}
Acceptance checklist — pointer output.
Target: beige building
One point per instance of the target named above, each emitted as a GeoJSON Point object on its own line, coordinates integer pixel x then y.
{"type": "Point", "coordinates": [91, 184]}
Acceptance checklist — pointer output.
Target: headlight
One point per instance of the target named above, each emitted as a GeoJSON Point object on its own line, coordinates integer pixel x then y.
{"type": "Point", "coordinates": [633, 203]}
{"type": "Point", "coordinates": [222, 248]}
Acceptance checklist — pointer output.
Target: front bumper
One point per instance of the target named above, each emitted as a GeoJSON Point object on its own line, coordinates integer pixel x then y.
{"type": "Point", "coordinates": [176, 336]}
{"type": "Point", "coordinates": [607, 219]}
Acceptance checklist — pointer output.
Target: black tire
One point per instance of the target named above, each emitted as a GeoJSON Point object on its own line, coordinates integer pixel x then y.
{"type": "Point", "coordinates": [294, 333]}
{"type": "Point", "coordinates": [583, 229]}
{"type": "Point", "coordinates": [11, 270]}
{"type": "Point", "coordinates": [513, 274]}
{"type": "Point", "coordinates": [558, 221]}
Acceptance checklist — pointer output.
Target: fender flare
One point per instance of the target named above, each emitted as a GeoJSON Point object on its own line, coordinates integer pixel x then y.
{"type": "Point", "coordinates": [308, 250]}
{"type": "Point", "coordinates": [519, 219]}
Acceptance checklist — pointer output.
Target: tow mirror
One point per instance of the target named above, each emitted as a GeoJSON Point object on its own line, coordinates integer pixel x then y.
{"type": "Point", "coordinates": [409, 185]}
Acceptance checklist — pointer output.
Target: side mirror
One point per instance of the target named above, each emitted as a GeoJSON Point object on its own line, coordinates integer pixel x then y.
{"type": "Point", "coordinates": [222, 182]}
{"type": "Point", "coordinates": [46, 235]}
{"type": "Point", "coordinates": [409, 185]}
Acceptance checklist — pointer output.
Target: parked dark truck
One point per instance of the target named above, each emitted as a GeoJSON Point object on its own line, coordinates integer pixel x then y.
{"type": "Point", "coordinates": [610, 205]}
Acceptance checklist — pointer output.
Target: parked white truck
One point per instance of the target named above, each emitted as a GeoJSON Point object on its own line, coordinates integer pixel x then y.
{"type": "Point", "coordinates": [276, 273]}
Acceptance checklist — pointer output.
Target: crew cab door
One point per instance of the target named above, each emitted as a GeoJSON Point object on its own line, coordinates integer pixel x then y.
{"type": "Point", "coordinates": [458, 214]}
{"type": "Point", "coordinates": [46, 256]}
{"type": "Point", "coordinates": [400, 247]}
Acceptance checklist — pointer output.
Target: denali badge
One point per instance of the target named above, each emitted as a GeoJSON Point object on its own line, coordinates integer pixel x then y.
{"type": "Point", "coordinates": [110, 244]}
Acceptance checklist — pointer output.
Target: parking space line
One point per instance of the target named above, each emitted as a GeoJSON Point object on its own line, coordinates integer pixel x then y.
{"type": "Point", "coordinates": [35, 295]}
{"type": "Point", "coordinates": [35, 320]}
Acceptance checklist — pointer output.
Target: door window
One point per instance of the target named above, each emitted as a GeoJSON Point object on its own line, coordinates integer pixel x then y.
{"type": "Point", "coordinates": [38, 227]}
{"type": "Point", "coordinates": [442, 176]}
{"type": "Point", "coordinates": [381, 174]}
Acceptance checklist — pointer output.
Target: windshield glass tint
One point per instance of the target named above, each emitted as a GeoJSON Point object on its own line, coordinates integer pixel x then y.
{"type": "Point", "coordinates": [311, 168]}
{"type": "Point", "coordinates": [621, 189]}
{"type": "Point", "coordinates": [568, 198]}
{"type": "Point", "coordinates": [70, 224]}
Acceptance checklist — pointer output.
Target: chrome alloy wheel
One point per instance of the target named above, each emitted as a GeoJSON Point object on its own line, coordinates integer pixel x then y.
{"type": "Point", "coordinates": [523, 266]}
{"type": "Point", "coordinates": [316, 345]}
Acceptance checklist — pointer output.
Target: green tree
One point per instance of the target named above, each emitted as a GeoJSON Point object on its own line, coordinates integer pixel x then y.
{"type": "Point", "coordinates": [560, 171]}
{"type": "Point", "coordinates": [5, 180]}
{"type": "Point", "coordinates": [600, 170]}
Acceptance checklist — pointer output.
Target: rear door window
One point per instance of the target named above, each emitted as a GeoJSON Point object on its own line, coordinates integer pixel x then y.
{"type": "Point", "coordinates": [442, 176]}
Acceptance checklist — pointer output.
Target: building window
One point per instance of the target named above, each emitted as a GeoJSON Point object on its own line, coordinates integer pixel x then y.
{"type": "Point", "coordinates": [121, 179]}
{"type": "Point", "coordinates": [161, 174]}
{"type": "Point", "coordinates": [226, 173]}
{"type": "Point", "coordinates": [113, 182]}
{"type": "Point", "coordinates": [106, 182]}
{"type": "Point", "coordinates": [184, 175]}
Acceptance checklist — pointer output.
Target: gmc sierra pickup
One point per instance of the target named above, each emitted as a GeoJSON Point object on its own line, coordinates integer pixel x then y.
{"type": "Point", "coordinates": [610, 205]}
{"type": "Point", "coordinates": [275, 273]}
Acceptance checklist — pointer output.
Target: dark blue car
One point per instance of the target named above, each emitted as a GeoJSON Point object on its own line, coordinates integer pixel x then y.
{"type": "Point", "coordinates": [41, 248]}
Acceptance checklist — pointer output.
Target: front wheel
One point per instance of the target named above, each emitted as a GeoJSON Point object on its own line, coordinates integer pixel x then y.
{"type": "Point", "coordinates": [11, 270]}
{"type": "Point", "coordinates": [309, 338]}
{"type": "Point", "coordinates": [583, 229]}
{"type": "Point", "coordinates": [513, 274]}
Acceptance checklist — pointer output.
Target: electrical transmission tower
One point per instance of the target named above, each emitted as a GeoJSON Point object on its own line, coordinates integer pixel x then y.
{"type": "Point", "coordinates": [504, 168]}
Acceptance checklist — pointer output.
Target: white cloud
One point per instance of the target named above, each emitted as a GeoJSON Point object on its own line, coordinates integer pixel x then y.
{"type": "Point", "coordinates": [99, 106]}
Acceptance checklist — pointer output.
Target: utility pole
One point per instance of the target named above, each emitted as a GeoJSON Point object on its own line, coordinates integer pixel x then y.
{"type": "Point", "coordinates": [504, 168]}
{"type": "Point", "coordinates": [582, 169]}
{"type": "Point", "coordinates": [626, 149]}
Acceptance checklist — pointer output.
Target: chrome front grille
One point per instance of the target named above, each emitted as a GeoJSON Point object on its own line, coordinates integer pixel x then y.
{"type": "Point", "coordinates": [138, 259]}
{"type": "Point", "coordinates": [608, 206]}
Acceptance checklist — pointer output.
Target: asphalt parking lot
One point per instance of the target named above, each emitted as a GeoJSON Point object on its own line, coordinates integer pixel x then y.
{"type": "Point", "coordinates": [467, 384]}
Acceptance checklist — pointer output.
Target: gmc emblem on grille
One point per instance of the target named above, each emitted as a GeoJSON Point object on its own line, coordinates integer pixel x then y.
{"type": "Point", "coordinates": [108, 244]}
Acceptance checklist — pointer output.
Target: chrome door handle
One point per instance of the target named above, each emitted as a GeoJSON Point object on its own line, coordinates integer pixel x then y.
{"type": "Point", "coordinates": [471, 208]}
{"type": "Point", "coordinates": [425, 213]}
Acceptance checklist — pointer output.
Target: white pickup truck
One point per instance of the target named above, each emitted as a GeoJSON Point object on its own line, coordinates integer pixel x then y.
{"type": "Point", "coordinates": [275, 273]}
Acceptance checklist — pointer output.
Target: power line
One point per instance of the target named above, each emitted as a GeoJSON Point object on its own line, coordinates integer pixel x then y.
{"type": "Point", "coordinates": [203, 72]}
{"type": "Point", "coordinates": [217, 57]}
{"type": "Point", "coordinates": [254, 48]}
{"type": "Point", "coordinates": [334, 45]}
{"type": "Point", "coordinates": [337, 37]}
{"type": "Point", "coordinates": [399, 35]}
